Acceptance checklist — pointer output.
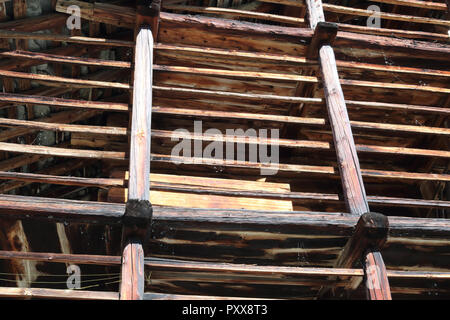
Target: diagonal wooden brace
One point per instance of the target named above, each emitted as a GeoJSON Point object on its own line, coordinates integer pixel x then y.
{"type": "Point", "coordinates": [368, 239]}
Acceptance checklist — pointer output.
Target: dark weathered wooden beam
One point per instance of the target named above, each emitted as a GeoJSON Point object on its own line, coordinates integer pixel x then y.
{"type": "Point", "coordinates": [325, 33]}
{"type": "Point", "coordinates": [147, 14]}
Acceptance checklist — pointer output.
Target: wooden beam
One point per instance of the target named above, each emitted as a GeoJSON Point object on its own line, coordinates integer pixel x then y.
{"type": "Point", "coordinates": [138, 211]}
{"type": "Point", "coordinates": [383, 15]}
{"type": "Point", "coordinates": [347, 158]}
{"type": "Point", "coordinates": [376, 277]}
{"type": "Point", "coordinates": [193, 266]}
{"type": "Point", "coordinates": [38, 293]}
{"type": "Point", "coordinates": [325, 33]}
{"type": "Point", "coordinates": [39, 56]}
{"type": "Point", "coordinates": [60, 102]}
{"type": "Point", "coordinates": [132, 278]}
{"type": "Point", "coordinates": [17, 207]}
{"type": "Point", "coordinates": [229, 12]}
{"type": "Point", "coordinates": [7, 34]}
{"type": "Point", "coordinates": [369, 224]}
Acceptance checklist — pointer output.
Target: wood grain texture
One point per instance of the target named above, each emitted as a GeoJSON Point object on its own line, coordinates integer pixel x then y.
{"type": "Point", "coordinates": [377, 283]}
{"type": "Point", "coordinates": [132, 278]}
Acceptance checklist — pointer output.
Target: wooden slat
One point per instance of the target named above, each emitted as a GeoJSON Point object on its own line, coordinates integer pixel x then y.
{"type": "Point", "coordinates": [383, 15]}
{"type": "Point", "coordinates": [237, 13]}
{"type": "Point", "coordinates": [39, 293]}
{"type": "Point", "coordinates": [60, 102]}
{"type": "Point", "coordinates": [62, 127]}
{"type": "Point", "coordinates": [62, 81]}
{"type": "Point", "coordinates": [377, 283]}
{"type": "Point", "coordinates": [61, 152]}
{"type": "Point", "coordinates": [39, 56]}
{"type": "Point", "coordinates": [132, 283]}
{"type": "Point", "coordinates": [347, 158]}
{"type": "Point", "coordinates": [416, 4]}
{"type": "Point", "coordinates": [6, 34]}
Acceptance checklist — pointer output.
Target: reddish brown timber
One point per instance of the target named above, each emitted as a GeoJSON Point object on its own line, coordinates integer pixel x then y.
{"type": "Point", "coordinates": [394, 32]}
{"type": "Point", "coordinates": [60, 102]}
{"type": "Point", "coordinates": [237, 13]}
{"type": "Point", "coordinates": [141, 118]}
{"type": "Point", "coordinates": [59, 117]}
{"type": "Point", "coordinates": [39, 293]}
{"type": "Point", "coordinates": [353, 186]}
{"type": "Point", "coordinates": [62, 127]}
{"type": "Point", "coordinates": [399, 86]}
{"type": "Point", "coordinates": [42, 22]}
{"type": "Point", "coordinates": [376, 277]}
{"type": "Point", "coordinates": [39, 56]}
{"type": "Point", "coordinates": [147, 14]}
{"type": "Point", "coordinates": [61, 152]}
{"type": "Point", "coordinates": [181, 265]}
{"type": "Point", "coordinates": [383, 15]}
{"type": "Point", "coordinates": [347, 158]}
{"type": "Point", "coordinates": [6, 34]}
{"type": "Point", "coordinates": [132, 278]}
{"type": "Point", "coordinates": [62, 258]}
{"type": "Point", "coordinates": [237, 74]}
{"type": "Point", "coordinates": [119, 16]}
{"type": "Point", "coordinates": [417, 4]}
{"type": "Point", "coordinates": [225, 94]}
{"type": "Point", "coordinates": [19, 207]}
{"type": "Point", "coordinates": [370, 234]}
{"type": "Point", "coordinates": [60, 209]}
{"type": "Point", "coordinates": [61, 180]}
{"type": "Point", "coordinates": [66, 82]}
{"type": "Point", "coordinates": [324, 33]}
{"type": "Point", "coordinates": [165, 296]}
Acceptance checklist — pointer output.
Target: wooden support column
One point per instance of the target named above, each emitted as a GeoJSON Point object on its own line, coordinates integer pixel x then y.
{"type": "Point", "coordinates": [138, 213]}
{"type": "Point", "coordinates": [347, 158]}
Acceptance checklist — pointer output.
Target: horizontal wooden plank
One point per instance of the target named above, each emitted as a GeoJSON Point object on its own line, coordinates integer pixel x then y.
{"type": "Point", "coordinates": [39, 56]}
{"type": "Point", "coordinates": [65, 82]}
{"type": "Point", "coordinates": [60, 102]}
{"type": "Point", "coordinates": [39, 293]}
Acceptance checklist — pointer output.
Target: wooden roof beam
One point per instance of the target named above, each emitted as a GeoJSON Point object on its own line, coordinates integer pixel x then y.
{"type": "Point", "coordinates": [347, 158]}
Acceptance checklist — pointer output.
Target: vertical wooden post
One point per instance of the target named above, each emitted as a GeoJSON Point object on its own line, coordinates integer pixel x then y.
{"type": "Point", "coordinates": [138, 209]}
{"type": "Point", "coordinates": [347, 157]}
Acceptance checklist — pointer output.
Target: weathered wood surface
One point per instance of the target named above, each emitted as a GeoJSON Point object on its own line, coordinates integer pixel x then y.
{"type": "Point", "coordinates": [377, 283]}
{"type": "Point", "coordinates": [132, 277]}
{"type": "Point", "coordinates": [139, 182]}
{"type": "Point", "coordinates": [38, 293]}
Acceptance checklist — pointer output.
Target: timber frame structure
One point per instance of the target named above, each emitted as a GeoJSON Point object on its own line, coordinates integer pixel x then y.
{"type": "Point", "coordinates": [359, 207]}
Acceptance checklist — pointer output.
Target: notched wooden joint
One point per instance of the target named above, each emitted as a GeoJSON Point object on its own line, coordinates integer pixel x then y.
{"type": "Point", "coordinates": [138, 214]}
{"type": "Point", "coordinates": [375, 228]}
{"type": "Point", "coordinates": [325, 33]}
{"type": "Point", "coordinates": [150, 8]}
